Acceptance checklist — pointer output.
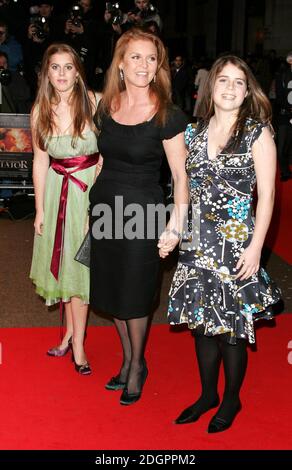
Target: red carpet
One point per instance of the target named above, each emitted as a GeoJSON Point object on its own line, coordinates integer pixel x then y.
{"type": "Point", "coordinates": [45, 404]}
{"type": "Point", "coordinates": [279, 235]}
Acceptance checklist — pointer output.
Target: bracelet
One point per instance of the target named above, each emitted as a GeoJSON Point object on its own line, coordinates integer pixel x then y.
{"type": "Point", "coordinates": [174, 231]}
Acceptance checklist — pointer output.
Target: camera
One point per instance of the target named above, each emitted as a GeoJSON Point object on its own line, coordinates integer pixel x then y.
{"type": "Point", "coordinates": [83, 52]}
{"type": "Point", "coordinates": [5, 76]}
{"type": "Point", "coordinates": [6, 2]}
{"type": "Point", "coordinates": [116, 14]}
{"type": "Point", "coordinates": [145, 14]}
{"type": "Point", "coordinates": [41, 29]}
{"type": "Point", "coordinates": [76, 14]}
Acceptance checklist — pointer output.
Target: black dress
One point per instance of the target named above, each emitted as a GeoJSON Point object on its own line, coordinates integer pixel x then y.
{"type": "Point", "coordinates": [124, 272]}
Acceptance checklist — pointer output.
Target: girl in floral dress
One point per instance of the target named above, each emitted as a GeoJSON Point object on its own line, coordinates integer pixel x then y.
{"type": "Point", "coordinates": [219, 288]}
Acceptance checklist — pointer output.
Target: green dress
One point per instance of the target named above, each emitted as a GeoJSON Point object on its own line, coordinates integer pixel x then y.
{"type": "Point", "coordinates": [73, 276]}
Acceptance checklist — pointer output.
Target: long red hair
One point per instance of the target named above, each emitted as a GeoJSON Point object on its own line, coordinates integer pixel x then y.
{"type": "Point", "coordinates": [160, 89]}
{"type": "Point", "coordinates": [47, 96]}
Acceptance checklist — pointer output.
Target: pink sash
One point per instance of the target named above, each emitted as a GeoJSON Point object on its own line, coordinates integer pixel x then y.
{"type": "Point", "coordinates": [60, 166]}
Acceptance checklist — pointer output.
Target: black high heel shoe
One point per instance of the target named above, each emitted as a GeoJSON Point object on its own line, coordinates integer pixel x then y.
{"type": "Point", "coordinates": [190, 416]}
{"type": "Point", "coordinates": [83, 369]}
{"type": "Point", "coordinates": [218, 424]}
{"type": "Point", "coordinates": [115, 383]}
{"type": "Point", "coordinates": [130, 398]}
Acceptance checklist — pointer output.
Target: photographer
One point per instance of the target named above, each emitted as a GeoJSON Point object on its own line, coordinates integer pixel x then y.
{"type": "Point", "coordinates": [83, 32]}
{"type": "Point", "coordinates": [114, 17]}
{"type": "Point", "coordinates": [15, 95]}
{"type": "Point", "coordinates": [114, 20]}
{"type": "Point", "coordinates": [143, 12]}
{"type": "Point", "coordinates": [44, 27]}
{"type": "Point", "coordinates": [10, 46]}
{"type": "Point", "coordinates": [13, 14]}
{"type": "Point", "coordinates": [40, 22]}
{"type": "Point", "coordinates": [41, 32]}
{"type": "Point", "coordinates": [284, 118]}
{"type": "Point", "coordinates": [80, 14]}
{"type": "Point", "coordinates": [7, 104]}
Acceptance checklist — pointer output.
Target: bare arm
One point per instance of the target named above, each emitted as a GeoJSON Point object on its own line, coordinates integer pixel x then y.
{"type": "Point", "coordinates": [264, 155]}
{"type": "Point", "coordinates": [40, 170]}
{"type": "Point", "coordinates": [176, 155]}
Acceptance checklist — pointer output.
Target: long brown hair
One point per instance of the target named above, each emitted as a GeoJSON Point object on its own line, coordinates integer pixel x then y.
{"type": "Point", "coordinates": [160, 88]}
{"type": "Point", "coordinates": [255, 105]}
{"type": "Point", "coordinates": [47, 96]}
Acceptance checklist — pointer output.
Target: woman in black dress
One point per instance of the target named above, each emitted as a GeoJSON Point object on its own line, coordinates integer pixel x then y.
{"type": "Point", "coordinates": [219, 288]}
{"type": "Point", "coordinates": [137, 125]}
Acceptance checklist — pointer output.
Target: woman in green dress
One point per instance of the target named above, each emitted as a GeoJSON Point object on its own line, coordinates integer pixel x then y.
{"type": "Point", "coordinates": [65, 166]}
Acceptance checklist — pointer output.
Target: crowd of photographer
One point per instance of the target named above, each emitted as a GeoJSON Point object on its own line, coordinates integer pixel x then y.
{"type": "Point", "coordinates": [28, 27]}
{"type": "Point", "coordinates": [142, 13]}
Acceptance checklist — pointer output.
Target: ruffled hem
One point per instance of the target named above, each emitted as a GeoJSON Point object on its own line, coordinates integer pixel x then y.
{"type": "Point", "coordinates": [55, 297]}
{"type": "Point", "coordinates": [210, 331]}
{"type": "Point", "coordinates": [231, 308]}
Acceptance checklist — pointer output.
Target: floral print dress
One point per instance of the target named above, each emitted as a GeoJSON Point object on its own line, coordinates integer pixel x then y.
{"type": "Point", "coordinates": [220, 226]}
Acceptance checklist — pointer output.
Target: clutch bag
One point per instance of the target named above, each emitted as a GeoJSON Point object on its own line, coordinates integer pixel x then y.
{"type": "Point", "coordinates": [83, 254]}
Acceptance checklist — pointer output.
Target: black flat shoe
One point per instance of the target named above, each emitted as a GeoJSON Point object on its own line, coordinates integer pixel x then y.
{"type": "Point", "coordinates": [218, 424]}
{"type": "Point", "coordinates": [115, 384]}
{"type": "Point", "coordinates": [130, 398]}
{"type": "Point", "coordinates": [190, 416]}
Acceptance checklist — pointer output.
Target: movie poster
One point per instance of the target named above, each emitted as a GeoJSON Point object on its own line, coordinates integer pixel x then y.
{"type": "Point", "coordinates": [15, 147]}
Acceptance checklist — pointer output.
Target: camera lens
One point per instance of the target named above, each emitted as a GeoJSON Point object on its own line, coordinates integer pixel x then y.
{"type": "Point", "coordinates": [5, 76]}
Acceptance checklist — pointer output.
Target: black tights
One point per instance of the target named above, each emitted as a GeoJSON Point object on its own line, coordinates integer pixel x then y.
{"type": "Point", "coordinates": [133, 335]}
{"type": "Point", "coordinates": [235, 363]}
{"type": "Point", "coordinates": [209, 358]}
{"type": "Point", "coordinates": [210, 350]}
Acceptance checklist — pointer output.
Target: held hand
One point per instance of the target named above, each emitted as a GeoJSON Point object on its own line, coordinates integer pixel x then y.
{"type": "Point", "coordinates": [38, 223]}
{"type": "Point", "coordinates": [167, 242]}
{"type": "Point", "coordinates": [249, 263]}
